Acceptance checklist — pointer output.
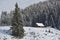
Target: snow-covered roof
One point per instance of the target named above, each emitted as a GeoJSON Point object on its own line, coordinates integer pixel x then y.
{"type": "Point", "coordinates": [40, 24]}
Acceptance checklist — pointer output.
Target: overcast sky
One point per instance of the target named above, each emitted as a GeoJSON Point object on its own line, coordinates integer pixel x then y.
{"type": "Point", "coordinates": [8, 5]}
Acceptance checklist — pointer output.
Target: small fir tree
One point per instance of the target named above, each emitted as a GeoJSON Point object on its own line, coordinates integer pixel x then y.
{"type": "Point", "coordinates": [17, 24]}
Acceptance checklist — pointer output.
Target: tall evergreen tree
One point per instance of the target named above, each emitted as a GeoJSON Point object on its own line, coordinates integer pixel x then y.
{"type": "Point", "coordinates": [17, 24]}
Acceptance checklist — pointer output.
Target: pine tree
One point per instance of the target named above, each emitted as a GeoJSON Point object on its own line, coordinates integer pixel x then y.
{"type": "Point", "coordinates": [17, 24]}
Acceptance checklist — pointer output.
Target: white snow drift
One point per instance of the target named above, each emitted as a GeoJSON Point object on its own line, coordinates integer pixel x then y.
{"type": "Point", "coordinates": [31, 33]}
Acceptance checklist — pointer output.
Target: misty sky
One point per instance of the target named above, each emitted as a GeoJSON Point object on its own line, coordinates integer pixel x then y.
{"type": "Point", "coordinates": [8, 5]}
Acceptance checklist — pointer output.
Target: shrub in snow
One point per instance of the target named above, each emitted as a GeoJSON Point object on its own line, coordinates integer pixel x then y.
{"type": "Point", "coordinates": [32, 33]}
{"type": "Point", "coordinates": [4, 38]}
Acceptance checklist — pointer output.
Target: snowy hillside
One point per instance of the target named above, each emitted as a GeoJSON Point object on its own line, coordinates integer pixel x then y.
{"type": "Point", "coordinates": [31, 33]}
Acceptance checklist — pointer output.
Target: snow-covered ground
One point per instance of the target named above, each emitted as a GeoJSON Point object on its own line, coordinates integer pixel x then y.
{"type": "Point", "coordinates": [31, 33]}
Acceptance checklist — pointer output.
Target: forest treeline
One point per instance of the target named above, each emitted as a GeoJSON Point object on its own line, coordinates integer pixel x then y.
{"type": "Point", "coordinates": [47, 12]}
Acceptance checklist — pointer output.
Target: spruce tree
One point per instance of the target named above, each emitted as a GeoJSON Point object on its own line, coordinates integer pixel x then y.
{"type": "Point", "coordinates": [17, 24]}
